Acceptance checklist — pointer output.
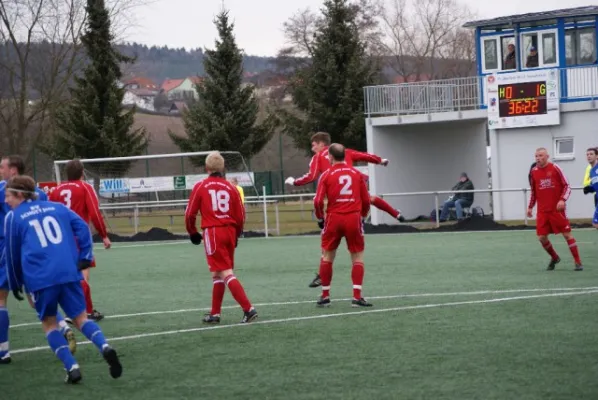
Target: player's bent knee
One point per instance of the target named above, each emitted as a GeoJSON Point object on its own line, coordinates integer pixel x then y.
{"type": "Point", "coordinates": [80, 319]}
{"type": "Point", "coordinates": [49, 324]}
{"type": "Point", "coordinates": [357, 257]}
{"type": "Point", "coordinates": [3, 297]}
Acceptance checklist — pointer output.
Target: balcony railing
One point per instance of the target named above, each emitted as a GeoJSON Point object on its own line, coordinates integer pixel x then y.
{"type": "Point", "coordinates": [461, 94]}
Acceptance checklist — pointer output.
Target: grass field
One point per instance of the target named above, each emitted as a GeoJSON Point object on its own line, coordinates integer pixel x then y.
{"type": "Point", "coordinates": [455, 316]}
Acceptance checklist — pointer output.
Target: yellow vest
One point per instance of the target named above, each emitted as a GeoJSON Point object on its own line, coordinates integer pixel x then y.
{"type": "Point", "coordinates": [242, 193]}
{"type": "Point", "coordinates": [586, 178]}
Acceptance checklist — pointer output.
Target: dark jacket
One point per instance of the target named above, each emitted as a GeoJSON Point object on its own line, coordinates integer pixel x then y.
{"type": "Point", "coordinates": [467, 185]}
{"type": "Point", "coordinates": [532, 61]}
{"type": "Point", "coordinates": [510, 61]}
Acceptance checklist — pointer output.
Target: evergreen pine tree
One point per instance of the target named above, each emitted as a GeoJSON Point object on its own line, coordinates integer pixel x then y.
{"type": "Point", "coordinates": [329, 93]}
{"type": "Point", "coordinates": [94, 124]}
{"type": "Point", "coordinates": [225, 115]}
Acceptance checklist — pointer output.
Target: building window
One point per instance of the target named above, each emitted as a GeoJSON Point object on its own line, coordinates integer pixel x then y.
{"type": "Point", "coordinates": [490, 54]}
{"type": "Point", "coordinates": [509, 59]}
{"type": "Point", "coordinates": [539, 49]}
{"type": "Point", "coordinates": [580, 46]}
{"type": "Point", "coordinates": [564, 148]}
{"type": "Point", "coordinates": [549, 48]}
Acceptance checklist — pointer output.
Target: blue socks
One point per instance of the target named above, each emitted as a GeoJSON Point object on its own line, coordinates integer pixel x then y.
{"type": "Point", "coordinates": [62, 323]}
{"type": "Point", "coordinates": [4, 324]}
{"type": "Point", "coordinates": [92, 331]}
{"type": "Point", "coordinates": [59, 345]}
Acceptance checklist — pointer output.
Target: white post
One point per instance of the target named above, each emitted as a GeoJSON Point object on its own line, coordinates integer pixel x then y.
{"type": "Point", "coordinates": [57, 173]}
{"type": "Point", "coordinates": [277, 219]}
{"type": "Point", "coordinates": [436, 206]}
{"type": "Point", "coordinates": [525, 205]}
{"type": "Point", "coordinates": [136, 218]}
{"type": "Point", "coordinates": [265, 210]}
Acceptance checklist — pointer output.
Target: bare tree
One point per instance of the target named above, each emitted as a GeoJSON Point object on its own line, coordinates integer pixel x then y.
{"type": "Point", "coordinates": [40, 53]}
{"type": "Point", "coordinates": [300, 30]}
{"type": "Point", "coordinates": [425, 38]}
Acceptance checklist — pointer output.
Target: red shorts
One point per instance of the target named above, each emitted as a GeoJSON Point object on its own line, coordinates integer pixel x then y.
{"type": "Point", "coordinates": [348, 226]}
{"type": "Point", "coordinates": [219, 242]}
{"type": "Point", "coordinates": [552, 222]}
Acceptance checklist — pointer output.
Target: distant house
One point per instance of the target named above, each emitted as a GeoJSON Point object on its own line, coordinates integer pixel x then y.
{"type": "Point", "coordinates": [141, 82]}
{"type": "Point", "coordinates": [178, 89]}
{"type": "Point", "coordinates": [411, 78]}
{"type": "Point", "coordinates": [142, 98]}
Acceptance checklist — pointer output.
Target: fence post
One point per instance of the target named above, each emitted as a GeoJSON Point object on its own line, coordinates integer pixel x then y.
{"type": "Point", "coordinates": [436, 206]}
{"type": "Point", "coordinates": [136, 218]}
{"type": "Point", "coordinates": [265, 210]}
{"type": "Point", "coordinates": [277, 219]}
{"type": "Point", "coordinates": [302, 207]}
{"type": "Point", "coordinates": [525, 205]}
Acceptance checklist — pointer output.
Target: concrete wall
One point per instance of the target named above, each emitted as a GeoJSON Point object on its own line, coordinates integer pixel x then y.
{"type": "Point", "coordinates": [513, 152]}
{"type": "Point", "coordinates": [427, 157]}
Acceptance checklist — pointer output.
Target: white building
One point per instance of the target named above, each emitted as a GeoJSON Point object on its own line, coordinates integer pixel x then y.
{"type": "Point", "coordinates": [543, 94]}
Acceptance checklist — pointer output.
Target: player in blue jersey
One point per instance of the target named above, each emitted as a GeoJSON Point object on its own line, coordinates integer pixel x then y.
{"type": "Point", "coordinates": [47, 246]}
{"type": "Point", "coordinates": [11, 166]}
{"type": "Point", "coordinates": [592, 186]}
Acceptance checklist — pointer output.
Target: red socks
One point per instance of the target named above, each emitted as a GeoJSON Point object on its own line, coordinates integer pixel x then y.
{"type": "Point", "coordinates": [217, 296]}
{"type": "Point", "coordinates": [384, 206]}
{"type": "Point", "coordinates": [550, 250]}
{"type": "Point", "coordinates": [574, 250]}
{"type": "Point", "coordinates": [87, 294]}
{"type": "Point", "coordinates": [357, 276]}
{"type": "Point", "coordinates": [326, 277]}
{"type": "Point", "coordinates": [236, 289]}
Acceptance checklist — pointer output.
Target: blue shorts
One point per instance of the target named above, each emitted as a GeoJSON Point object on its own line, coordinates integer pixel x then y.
{"type": "Point", "coordinates": [595, 220]}
{"type": "Point", "coordinates": [68, 295]}
{"type": "Point", "coordinates": [3, 273]}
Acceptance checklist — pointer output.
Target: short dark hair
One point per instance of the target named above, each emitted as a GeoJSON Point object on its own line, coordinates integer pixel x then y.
{"type": "Point", "coordinates": [337, 151]}
{"type": "Point", "coordinates": [594, 149]}
{"type": "Point", "coordinates": [74, 170]}
{"type": "Point", "coordinates": [16, 162]}
{"type": "Point", "coordinates": [321, 137]}
{"type": "Point", "coordinates": [22, 184]}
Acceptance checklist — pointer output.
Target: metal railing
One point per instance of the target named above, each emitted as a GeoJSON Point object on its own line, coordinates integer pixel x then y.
{"type": "Point", "coordinates": [276, 214]}
{"type": "Point", "coordinates": [460, 94]}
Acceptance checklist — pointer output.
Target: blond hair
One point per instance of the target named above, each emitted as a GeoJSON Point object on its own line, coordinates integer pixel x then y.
{"type": "Point", "coordinates": [215, 162]}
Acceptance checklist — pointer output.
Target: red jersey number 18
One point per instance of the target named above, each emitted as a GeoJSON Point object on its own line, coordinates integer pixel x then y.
{"type": "Point", "coordinates": [220, 200]}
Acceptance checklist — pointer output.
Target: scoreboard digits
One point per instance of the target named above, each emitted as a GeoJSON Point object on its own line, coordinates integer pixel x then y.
{"type": "Point", "coordinates": [519, 99]}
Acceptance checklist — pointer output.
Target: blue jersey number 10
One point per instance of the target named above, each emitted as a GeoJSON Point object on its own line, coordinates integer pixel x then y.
{"type": "Point", "coordinates": [47, 231]}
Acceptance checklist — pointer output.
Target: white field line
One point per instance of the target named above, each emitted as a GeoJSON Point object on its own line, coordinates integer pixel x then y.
{"type": "Point", "coordinates": [322, 316]}
{"type": "Point", "coordinates": [299, 302]}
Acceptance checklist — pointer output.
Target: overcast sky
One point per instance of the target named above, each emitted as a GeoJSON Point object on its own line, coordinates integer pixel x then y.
{"type": "Point", "coordinates": [258, 23]}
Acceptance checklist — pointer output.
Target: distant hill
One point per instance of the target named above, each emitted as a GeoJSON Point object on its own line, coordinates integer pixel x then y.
{"type": "Point", "coordinates": [160, 63]}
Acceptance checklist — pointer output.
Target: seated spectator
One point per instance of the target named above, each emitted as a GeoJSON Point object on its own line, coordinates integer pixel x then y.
{"type": "Point", "coordinates": [510, 59]}
{"type": "Point", "coordinates": [458, 200]}
{"type": "Point", "coordinates": [532, 58]}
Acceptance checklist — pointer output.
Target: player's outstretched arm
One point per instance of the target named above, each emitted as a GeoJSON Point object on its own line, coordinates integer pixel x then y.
{"type": "Point", "coordinates": [311, 176]}
{"type": "Point", "coordinates": [532, 197]}
{"type": "Point", "coordinates": [82, 234]}
{"type": "Point", "coordinates": [191, 214]}
{"type": "Point", "coordinates": [93, 206]}
{"type": "Point", "coordinates": [12, 253]}
{"type": "Point", "coordinates": [360, 156]}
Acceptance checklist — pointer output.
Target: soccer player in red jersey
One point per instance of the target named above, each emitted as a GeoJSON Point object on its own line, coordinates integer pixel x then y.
{"type": "Point", "coordinates": [550, 189]}
{"type": "Point", "coordinates": [80, 197]}
{"type": "Point", "coordinates": [320, 163]}
{"type": "Point", "coordinates": [348, 204]}
{"type": "Point", "coordinates": [222, 220]}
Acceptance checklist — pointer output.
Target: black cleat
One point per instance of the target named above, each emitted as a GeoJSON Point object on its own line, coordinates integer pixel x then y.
{"type": "Point", "coordinates": [116, 369]}
{"type": "Point", "coordinates": [360, 303]}
{"type": "Point", "coordinates": [73, 376]}
{"type": "Point", "coordinates": [211, 319]}
{"type": "Point", "coordinates": [5, 360]}
{"type": "Point", "coordinates": [323, 302]}
{"type": "Point", "coordinates": [68, 320]}
{"type": "Point", "coordinates": [316, 282]}
{"type": "Point", "coordinates": [578, 267]}
{"type": "Point", "coordinates": [249, 316]}
{"type": "Point", "coordinates": [95, 316]}
{"type": "Point", "coordinates": [400, 217]}
{"type": "Point", "coordinates": [553, 264]}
